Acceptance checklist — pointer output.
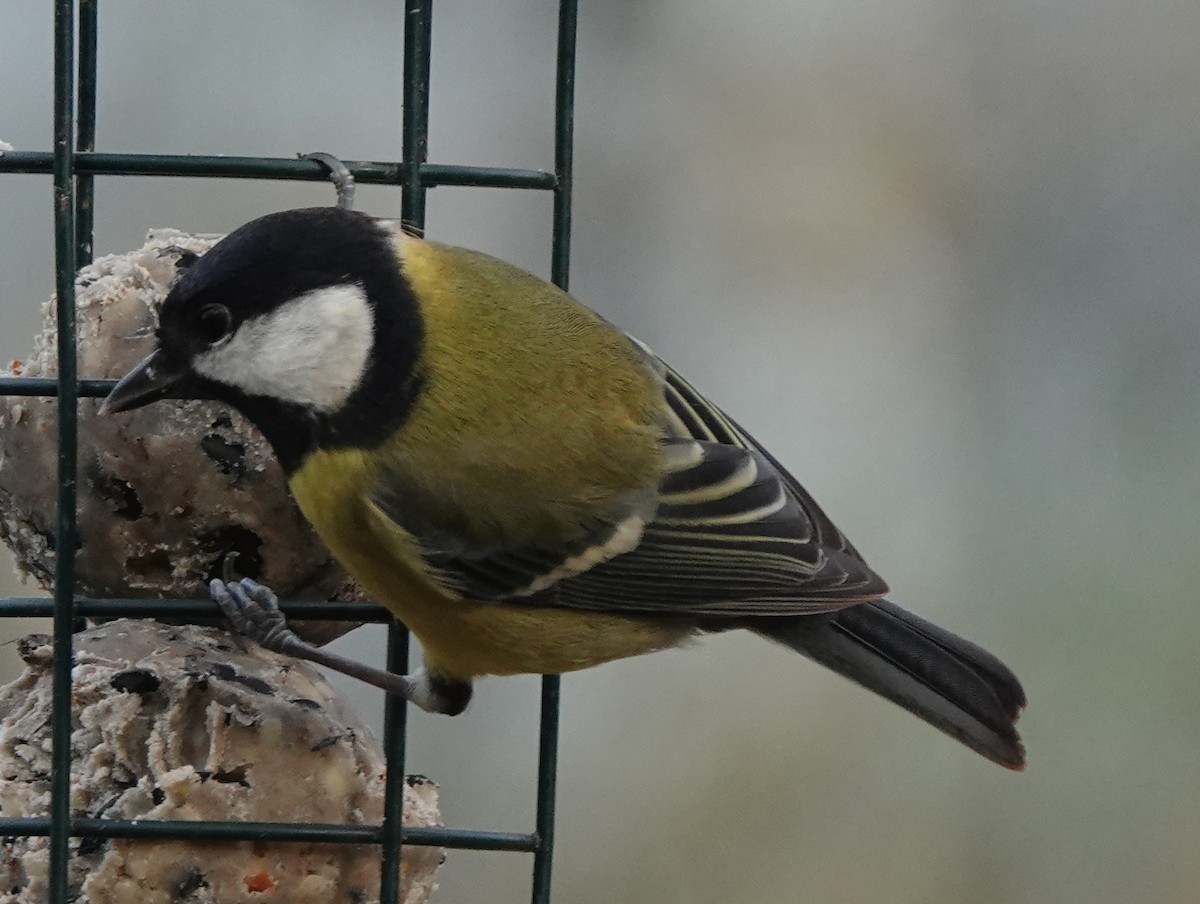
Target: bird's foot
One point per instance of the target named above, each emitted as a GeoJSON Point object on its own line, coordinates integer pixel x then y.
{"type": "Point", "coordinates": [254, 611]}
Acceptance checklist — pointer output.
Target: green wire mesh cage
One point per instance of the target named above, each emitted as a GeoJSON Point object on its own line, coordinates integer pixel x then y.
{"type": "Point", "coordinates": [73, 165]}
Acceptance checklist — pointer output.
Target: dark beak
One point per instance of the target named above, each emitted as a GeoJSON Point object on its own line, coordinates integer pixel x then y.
{"type": "Point", "coordinates": [151, 380]}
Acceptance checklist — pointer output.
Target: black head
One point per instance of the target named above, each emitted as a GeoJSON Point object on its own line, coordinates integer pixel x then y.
{"type": "Point", "coordinates": [302, 320]}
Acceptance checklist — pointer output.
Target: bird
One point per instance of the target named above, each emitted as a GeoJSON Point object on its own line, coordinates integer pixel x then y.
{"type": "Point", "coordinates": [523, 485]}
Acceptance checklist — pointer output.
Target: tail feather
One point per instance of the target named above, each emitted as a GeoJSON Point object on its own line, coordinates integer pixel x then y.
{"type": "Point", "coordinates": [949, 682]}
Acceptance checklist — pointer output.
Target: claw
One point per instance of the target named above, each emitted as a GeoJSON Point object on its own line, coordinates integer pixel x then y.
{"type": "Point", "coordinates": [227, 572]}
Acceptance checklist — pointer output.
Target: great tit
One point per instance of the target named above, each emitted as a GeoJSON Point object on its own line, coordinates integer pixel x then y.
{"type": "Point", "coordinates": [524, 486]}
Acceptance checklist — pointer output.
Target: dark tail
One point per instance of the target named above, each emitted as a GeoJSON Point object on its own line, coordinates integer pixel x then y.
{"type": "Point", "coordinates": [949, 682]}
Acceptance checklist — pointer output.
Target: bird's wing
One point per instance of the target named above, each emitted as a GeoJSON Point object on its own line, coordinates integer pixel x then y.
{"type": "Point", "coordinates": [694, 416]}
{"type": "Point", "coordinates": [730, 534]}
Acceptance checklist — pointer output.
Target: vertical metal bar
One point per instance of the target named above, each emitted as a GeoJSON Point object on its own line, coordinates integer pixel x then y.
{"type": "Point", "coordinates": [543, 857]}
{"type": "Point", "coordinates": [85, 139]}
{"type": "Point", "coordinates": [414, 151]}
{"type": "Point", "coordinates": [395, 733]}
{"type": "Point", "coordinates": [564, 134]}
{"type": "Point", "coordinates": [560, 263]}
{"type": "Point", "coordinates": [64, 558]}
{"type": "Point", "coordinates": [415, 129]}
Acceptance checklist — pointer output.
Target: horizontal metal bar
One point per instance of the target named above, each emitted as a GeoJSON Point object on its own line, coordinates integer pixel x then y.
{"type": "Point", "coordinates": [204, 166]}
{"type": "Point", "coordinates": [224, 831]}
{"type": "Point", "coordinates": [34, 607]}
{"type": "Point", "coordinates": [48, 387]}
{"type": "Point", "coordinates": [371, 172]}
{"type": "Point", "coordinates": [472, 839]}
{"type": "Point", "coordinates": [433, 174]}
{"type": "Point", "coordinates": [319, 833]}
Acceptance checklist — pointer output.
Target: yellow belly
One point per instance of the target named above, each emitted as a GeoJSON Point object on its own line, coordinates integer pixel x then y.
{"type": "Point", "coordinates": [460, 638]}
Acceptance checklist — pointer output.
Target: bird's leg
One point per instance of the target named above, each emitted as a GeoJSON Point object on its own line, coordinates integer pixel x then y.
{"type": "Point", "coordinates": [254, 611]}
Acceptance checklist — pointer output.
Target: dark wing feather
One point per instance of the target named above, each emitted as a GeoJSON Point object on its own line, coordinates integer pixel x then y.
{"type": "Point", "coordinates": [728, 540]}
{"type": "Point", "coordinates": [695, 416]}
{"type": "Point", "coordinates": [733, 535]}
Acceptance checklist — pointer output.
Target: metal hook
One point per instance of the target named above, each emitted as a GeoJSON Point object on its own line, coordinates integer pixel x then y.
{"type": "Point", "coordinates": [339, 175]}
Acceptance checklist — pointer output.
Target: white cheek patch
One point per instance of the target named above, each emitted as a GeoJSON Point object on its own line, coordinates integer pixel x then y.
{"type": "Point", "coordinates": [311, 350]}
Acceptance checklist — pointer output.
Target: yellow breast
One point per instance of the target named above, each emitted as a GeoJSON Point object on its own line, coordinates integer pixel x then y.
{"type": "Point", "coordinates": [460, 638]}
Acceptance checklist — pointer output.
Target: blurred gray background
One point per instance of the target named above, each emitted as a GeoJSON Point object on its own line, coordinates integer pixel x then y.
{"type": "Point", "coordinates": [940, 256]}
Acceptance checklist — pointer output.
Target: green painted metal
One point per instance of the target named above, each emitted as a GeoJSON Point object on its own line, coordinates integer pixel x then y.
{"type": "Point", "coordinates": [564, 141]}
{"type": "Point", "coordinates": [65, 529]}
{"type": "Point", "coordinates": [311, 833]}
{"type": "Point", "coordinates": [560, 261]}
{"type": "Point", "coordinates": [414, 131]}
{"type": "Point", "coordinates": [370, 172]}
{"type": "Point", "coordinates": [43, 386]}
{"type": "Point", "coordinates": [73, 164]}
{"type": "Point", "coordinates": [418, 40]}
{"type": "Point", "coordinates": [85, 137]}
{"type": "Point", "coordinates": [395, 737]}
{"type": "Point", "coordinates": [547, 780]}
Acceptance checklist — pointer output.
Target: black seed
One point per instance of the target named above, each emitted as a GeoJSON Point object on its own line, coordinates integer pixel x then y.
{"type": "Point", "coordinates": [89, 846]}
{"type": "Point", "coordinates": [255, 684]}
{"type": "Point", "coordinates": [186, 259]}
{"type": "Point", "coordinates": [193, 880]}
{"type": "Point", "coordinates": [135, 681]}
{"type": "Point", "coordinates": [115, 491]}
{"type": "Point", "coordinates": [230, 457]}
{"type": "Point", "coordinates": [226, 672]}
{"type": "Point", "coordinates": [236, 776]}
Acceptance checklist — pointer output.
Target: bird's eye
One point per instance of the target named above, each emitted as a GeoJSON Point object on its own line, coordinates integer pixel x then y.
{"type": "Point", "coordinates": [213, 323]}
